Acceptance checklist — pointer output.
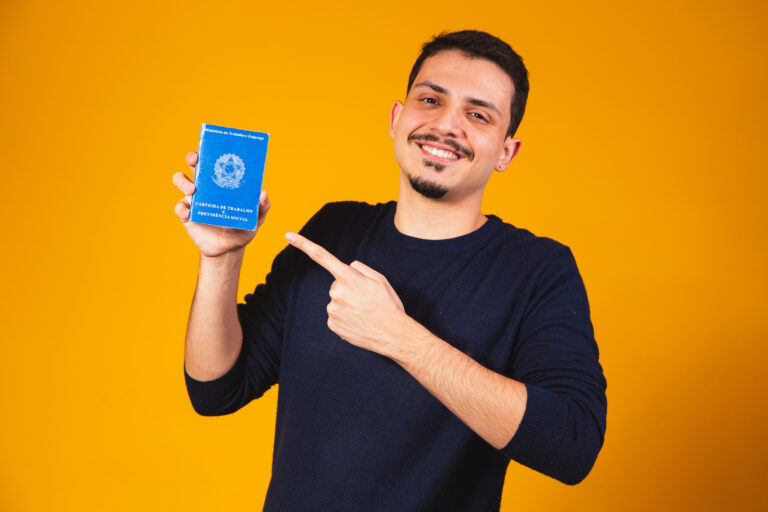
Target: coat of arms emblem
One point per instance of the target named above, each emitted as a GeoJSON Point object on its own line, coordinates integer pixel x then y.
{"type": "Point", "coordinates": [228, 171]}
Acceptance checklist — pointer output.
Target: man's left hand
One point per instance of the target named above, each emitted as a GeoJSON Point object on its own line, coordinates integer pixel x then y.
{"type": "Point", "coordinates": [364, 308]}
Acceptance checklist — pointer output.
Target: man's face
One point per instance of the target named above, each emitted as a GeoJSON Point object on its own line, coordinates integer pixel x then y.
{"type": "Point", "coordinates": [450, 134]}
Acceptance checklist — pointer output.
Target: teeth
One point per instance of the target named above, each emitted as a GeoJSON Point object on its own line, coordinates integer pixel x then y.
{"type": "Point", "coordinates": [439, 152]}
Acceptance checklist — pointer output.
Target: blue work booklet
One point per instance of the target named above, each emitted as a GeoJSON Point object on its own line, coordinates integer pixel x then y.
{"type": "Point", "coordinates": [230, 167]}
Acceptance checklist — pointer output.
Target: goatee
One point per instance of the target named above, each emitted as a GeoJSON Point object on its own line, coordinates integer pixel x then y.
{"type": "Point", "coordinates": [427, 188]}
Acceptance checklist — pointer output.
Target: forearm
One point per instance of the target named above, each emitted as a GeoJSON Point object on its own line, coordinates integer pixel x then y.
{"type": "Point", "coordinates": [489, 403]}
{"type": "Point", "coordinates": [561, 438]}
{"type": "Point", "coordinates": [214, 336]}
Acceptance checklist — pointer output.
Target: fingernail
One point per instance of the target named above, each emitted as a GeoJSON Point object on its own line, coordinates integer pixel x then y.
{"type": "Point", "coordinates": [291, 237]}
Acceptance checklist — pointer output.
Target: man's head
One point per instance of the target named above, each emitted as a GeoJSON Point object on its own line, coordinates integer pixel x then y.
{"type": "Point", "coordinates": [482, 45]}
{"type": "Point", "coordinates": [456, 124]}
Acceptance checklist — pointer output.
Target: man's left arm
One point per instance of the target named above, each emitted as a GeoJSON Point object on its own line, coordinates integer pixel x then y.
{"type": "Point", "coordinates": [489, 403]}
{"type": "Point", "coordinates": [365, 311]}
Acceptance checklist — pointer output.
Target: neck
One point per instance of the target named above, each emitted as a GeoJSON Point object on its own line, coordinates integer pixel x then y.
{"type": "Point", "coordinates": [436, 219]}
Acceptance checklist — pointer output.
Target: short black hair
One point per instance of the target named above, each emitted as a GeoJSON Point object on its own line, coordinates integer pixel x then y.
{"type": "Point", "coordinates": [475, 43]}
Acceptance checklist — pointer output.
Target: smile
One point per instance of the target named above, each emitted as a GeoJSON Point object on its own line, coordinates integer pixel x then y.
{"type": "Point", "coordinates": [441, 154]}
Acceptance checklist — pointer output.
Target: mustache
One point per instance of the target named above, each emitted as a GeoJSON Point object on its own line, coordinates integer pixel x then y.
{"type": "Point", "coordinates": [428, 137]}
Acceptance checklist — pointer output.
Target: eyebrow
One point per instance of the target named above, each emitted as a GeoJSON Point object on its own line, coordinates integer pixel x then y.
{"type": "Point", "coordinates": [472, 101]}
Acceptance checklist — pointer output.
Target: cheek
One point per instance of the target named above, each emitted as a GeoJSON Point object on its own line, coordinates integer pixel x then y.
{"type": "Point", "coordinates": [412, 119]}
{"type": "Point", "coordinates": [493, 150]}
{"type": "Point", "coordinates": [486, 152]}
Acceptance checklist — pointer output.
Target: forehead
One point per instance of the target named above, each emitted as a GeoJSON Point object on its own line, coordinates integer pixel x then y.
{"type": "Point", "coordinates": [465, 76]}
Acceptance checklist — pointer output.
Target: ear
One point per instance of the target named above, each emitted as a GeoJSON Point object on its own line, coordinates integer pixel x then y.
{"type": "Point", "coordinates": [394, 115]}
{"type": "Point", "coordinates": [511, 148]}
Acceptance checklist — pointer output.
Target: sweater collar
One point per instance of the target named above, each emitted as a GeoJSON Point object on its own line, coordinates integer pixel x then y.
{"type": "Point", "coordinates": [480, 236]}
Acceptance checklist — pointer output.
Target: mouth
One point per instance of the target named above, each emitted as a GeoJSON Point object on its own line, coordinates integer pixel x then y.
{"type": "Point", "coordinates": [439, 154]}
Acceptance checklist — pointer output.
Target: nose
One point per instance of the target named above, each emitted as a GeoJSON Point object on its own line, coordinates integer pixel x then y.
{"type": "Point", "coordinates": [448, 122]}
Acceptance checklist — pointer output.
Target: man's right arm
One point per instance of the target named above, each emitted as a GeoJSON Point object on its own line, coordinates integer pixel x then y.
{"type": "Point", "coordinates": [214, 336]}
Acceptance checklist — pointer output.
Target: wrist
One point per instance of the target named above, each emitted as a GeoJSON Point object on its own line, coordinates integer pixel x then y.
{"type": "Point", "coordinates": [222, 269]}
{"type": "Point", "coordinates": [412, 342]}
{"type": "Point", "coordinates": [224, 260]}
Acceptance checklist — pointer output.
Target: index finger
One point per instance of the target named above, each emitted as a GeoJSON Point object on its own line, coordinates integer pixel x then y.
{"type": "Point", "coordinates": [320, 255]}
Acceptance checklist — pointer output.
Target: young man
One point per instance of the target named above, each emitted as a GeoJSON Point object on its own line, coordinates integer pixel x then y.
{"type": "Point", "coordinates": [419, 345]}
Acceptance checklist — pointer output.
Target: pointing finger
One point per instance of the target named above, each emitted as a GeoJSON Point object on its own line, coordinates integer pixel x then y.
{"type": "Point", "coordinates": [321, 256]}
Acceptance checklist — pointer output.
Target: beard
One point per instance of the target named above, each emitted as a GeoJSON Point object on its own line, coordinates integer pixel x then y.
{"type": "Point", "coordinates": [427, 188]}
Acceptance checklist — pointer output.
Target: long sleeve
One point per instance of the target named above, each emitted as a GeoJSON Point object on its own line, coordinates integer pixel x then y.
{"type": "Point", "coordinates": [556, 357]}
{"type": "Point", "coordinates": [262, 318]}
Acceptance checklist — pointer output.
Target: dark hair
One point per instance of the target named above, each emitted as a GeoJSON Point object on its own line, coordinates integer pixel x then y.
{"type": "Point", "coordinates": [485, 46]}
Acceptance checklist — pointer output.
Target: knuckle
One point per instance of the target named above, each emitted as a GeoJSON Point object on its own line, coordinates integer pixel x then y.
{"type": "Point", "coordinates": [182, 182]}
{"type": "Point", "coordinates": [181, 213]}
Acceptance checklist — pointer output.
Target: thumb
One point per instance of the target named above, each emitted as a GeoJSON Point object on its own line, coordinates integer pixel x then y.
{"type": "Point", "coordinates": [365, 270]}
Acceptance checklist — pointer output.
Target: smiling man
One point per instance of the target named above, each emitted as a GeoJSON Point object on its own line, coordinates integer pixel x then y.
{"type": "Point", "coordinates": [419, 345]}
{"type": "Point", "coordinates": [454, 129]}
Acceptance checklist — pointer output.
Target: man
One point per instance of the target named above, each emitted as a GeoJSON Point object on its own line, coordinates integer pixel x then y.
{"type": "Point", "coordinates": [452, 342]}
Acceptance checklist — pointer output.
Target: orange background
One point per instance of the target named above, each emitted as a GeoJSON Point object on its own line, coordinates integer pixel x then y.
{"type": "Point", "coordinates": [640, 151]}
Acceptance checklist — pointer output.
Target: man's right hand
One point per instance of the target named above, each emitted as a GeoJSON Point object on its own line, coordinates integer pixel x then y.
{"type": "Point", "coordinates": [212, 241]}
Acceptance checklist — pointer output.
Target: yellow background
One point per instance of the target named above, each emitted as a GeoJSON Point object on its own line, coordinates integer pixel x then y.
{"type": "Point", "coordinates": [641, 151]}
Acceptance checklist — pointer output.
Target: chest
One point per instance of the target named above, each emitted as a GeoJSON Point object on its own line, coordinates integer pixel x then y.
{"type": "Point", "coordinates": [463, 299]}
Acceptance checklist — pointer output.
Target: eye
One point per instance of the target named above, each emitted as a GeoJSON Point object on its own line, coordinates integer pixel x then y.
{"type": "Point", "coordinates": [479, 116]}
{"type": "Point", "coordinates": [430, 100]}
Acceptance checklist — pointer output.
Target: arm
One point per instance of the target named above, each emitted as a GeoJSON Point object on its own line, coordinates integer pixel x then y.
{"type": "Point", "coordinates": [214, 334]}
{"type": "Point", "coordinates": [556, 356]}
{"type": "Point", "coordinates": [489, 403]}
{"type": "Point", "coordinates": [558, 433]}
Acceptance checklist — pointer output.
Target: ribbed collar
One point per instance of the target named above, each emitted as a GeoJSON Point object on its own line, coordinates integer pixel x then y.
{"type": "Point", "coordinates": [480, 236]}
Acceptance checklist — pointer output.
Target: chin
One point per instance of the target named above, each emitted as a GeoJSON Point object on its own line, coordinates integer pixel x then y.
{"type": "Point", "coordinates": [427, 188]}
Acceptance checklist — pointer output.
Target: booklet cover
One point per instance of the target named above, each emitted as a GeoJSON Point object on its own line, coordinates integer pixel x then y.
{"type": "Point", "coordinates": [230, 167]}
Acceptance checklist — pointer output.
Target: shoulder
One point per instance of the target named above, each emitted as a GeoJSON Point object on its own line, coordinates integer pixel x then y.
{"type": "Point", "coordinates": [546, 266]}
{"type": "Point", "coordinates": [343, 222]}
{"type": "Point", "coordinates": [521, 254]}
{"type": "Point", "coordinates": [347, 214]}
{"type": "Point", "coordinates": [340, 210]}
{"type": "Point", "coordinates": [528, 245]}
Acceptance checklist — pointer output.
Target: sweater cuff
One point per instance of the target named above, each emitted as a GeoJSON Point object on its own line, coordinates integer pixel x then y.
{"type": "Point", "coordinates": [538, 442]}
{"type": "Point", "coordinates": [206, 396]}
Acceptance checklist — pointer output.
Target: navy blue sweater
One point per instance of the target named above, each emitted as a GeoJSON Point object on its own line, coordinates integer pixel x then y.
{"type": "Point", "coordinates": [354, 430]}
